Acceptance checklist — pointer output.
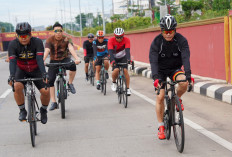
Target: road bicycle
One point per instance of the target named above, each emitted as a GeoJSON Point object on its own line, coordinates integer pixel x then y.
{"type": "Point", "coordinates": [91, 71]}
{"type": "Point", "coordinates": [103, 79]}
{"type": "Point", "coordinates": [173, 115]}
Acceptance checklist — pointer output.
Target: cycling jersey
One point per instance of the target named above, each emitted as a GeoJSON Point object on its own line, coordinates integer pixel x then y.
{"type": "Point", "coordinates": [88, 48]}
{"type": "Point", "coordinates": [58, 49]}
{"type": "Point", "coordinates": [100, 49]}
{"type": "Point", "coordinates": [28, 58]}
{"type": "Point", "coordinates": [167, 56]}
{"type": "Point", "coordinates": [119, 49]}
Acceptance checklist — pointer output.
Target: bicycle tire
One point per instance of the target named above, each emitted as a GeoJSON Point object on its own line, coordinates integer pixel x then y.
{"type": "Point", "coordinates": [33, 103]}
{"type": "Point", "coordinates": [178, 127]}
{"type": "Point", "coordinates": [92, 74]}
{"type": "Point", "coordinates": [62, 98]}
{"type": "Point", "coordinates": [31, 119]}
{"type": "Point", "coordinates": [119, 90]}
{"type": "Point", "coordinates": [104, 82]}
{"type": "Point", "coordinates": [167, 119]}
{"type": "Point", "coordinates": [124, 92]}
{"type": "Point", "coordinates": [102, 74]}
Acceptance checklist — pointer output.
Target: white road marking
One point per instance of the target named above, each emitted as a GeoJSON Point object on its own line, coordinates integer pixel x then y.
{"type": "Point", "coordinates": [200, 129]}
{"type": "Point", "coordinates": [4, 95]}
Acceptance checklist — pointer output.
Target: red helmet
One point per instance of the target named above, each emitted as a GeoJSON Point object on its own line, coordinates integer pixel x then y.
{"type": "Point", "coordinates": [100, 33]}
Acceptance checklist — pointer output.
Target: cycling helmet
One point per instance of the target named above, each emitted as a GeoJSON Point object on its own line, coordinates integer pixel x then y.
{"type": "Point", "coordinates": [118, 32]}
{"type": "Point", "coordinates": [90, 35]}
{"type": "Point", "coordinates": [23, 28]}
{"type": "Point", "coordinates": [168, 22]}
{"type": "Point", "coordinates": [100, 33]}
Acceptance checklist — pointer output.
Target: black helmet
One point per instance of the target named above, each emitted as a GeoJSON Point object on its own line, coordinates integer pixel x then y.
{"type": "Point", "coordinates": [168, 22]}
{"type": "Point", "coordinates": [23, 28]}
{"type": "Point", "coordinates": [90, 35]}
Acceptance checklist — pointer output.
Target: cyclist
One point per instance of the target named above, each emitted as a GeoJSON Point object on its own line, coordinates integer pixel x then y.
{"type": "Point", "coordinates": [59, 46]}
{"type": "Point", "coordinates": [100, 51]}
{"type": "Point", "coordinates": [119, 49]}
{"type": "Point", "coordinates": [169, 51]}
{"type": "Point", "coordinates": [88, 52]}
{"type": "Point", "coordinates": [26, 61]}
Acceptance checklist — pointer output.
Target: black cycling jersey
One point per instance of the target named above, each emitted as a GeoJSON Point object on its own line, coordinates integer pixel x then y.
{"type": "Point", "coordinates": [166, 56]}
{"type": "Point", "coordinates": [28, 58]}
{"type": "Point", "coordinates": [89, 48]}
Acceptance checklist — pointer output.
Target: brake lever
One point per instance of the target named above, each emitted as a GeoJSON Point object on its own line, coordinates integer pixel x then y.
{"type": "Point", "coordinates": [190, 87]}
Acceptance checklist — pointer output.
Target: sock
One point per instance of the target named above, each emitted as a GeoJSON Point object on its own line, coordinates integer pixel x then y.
{"type": "Point", "coordinates": [98, 82]}
{"type": "Point", "coordinates": [160, 124]}
{"type": "Point", "coordinates": [44, 107]}
{"type": "Point", "coordinates": [86, 74]}
{"type": "Point", "coordinates": [21, 107]}
{"type": "Point", "coordinates": [106, 71]}
{"type": "Point", "coordinates": [114, 82]}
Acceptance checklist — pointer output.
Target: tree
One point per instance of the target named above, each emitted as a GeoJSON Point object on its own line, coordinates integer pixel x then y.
{"type": "Point", "coordinates": [6, 27]}
{"type": "Point", "coordinates": [83, 19]}
{"type": "Point", "coordinates": [221, 4]}
{"type": "Point", "coordinates": [189, 6]}
{"type": "Point", "coordinates": [49, 28]}
{"type": "Point", "coordinates": [98, 21]}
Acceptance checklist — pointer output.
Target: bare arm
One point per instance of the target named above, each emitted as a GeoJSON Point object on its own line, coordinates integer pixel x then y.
{"type": "Point", "coordinates": [47, 51]}
{"type": "Point", "coordinates": [73, 52]}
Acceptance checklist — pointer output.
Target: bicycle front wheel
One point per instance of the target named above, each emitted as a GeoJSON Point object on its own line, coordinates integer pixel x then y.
{"type": "Point", "coordinates": [62, 97]}
{"type": "Point", "coordinates": [104, 82]}
{"type": "Point", "coordinates": [124, 92]}
{"type": "Point", "coordinates": [118, 90]}
{"type": "Point", "coordinates": [178, 127]}
{"type": "Point", "coordinates": [31, 119]}
{"type": "Point", "coordinates": [167, 119]}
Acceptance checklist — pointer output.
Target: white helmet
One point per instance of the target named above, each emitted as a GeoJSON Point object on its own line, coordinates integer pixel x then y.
{"type": "Point", "coordinates": [118, 32]}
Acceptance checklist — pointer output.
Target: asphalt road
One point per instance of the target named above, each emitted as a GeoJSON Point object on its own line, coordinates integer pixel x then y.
{"type": "Point", "coordinates": [97, 126]}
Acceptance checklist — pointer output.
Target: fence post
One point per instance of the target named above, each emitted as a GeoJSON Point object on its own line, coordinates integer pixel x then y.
{"type": "Point", "coordinates": [230, 45]}
{"type": "Point", "coordinates": [227, 49]}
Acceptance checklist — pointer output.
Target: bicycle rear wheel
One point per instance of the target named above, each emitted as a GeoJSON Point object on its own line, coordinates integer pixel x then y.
{"type": "Point", "coordinates": [62, 97]}
{"type": "Point", "coordinates": [31, 119]}
{"type": "Point", "coordinates": [102, 76]}
{"type": "Point", "coordinates": [119, 82]}
{"type": "Point", "coordinates": [178, 127]}
{"type": "Point", "coordinates": [124, 92]}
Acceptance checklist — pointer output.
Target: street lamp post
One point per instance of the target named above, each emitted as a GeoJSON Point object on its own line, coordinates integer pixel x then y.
{"type": "Point", "coordinates": [104, 29]}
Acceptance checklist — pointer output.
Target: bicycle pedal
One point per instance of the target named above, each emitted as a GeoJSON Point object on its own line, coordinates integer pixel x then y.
{"type": "Point", "coordinates": [23, 120]}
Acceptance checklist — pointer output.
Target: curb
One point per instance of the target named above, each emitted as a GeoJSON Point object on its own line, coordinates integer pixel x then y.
{"type": "Point", "coordinates": [212, 89]}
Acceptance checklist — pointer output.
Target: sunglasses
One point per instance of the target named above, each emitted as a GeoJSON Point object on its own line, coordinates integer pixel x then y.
{"type": "Point", "coordinates": [24, 36]}
{"type": "Point", "coordinates": [119, 37]}
{"type": "Point", "coordinates": [166, 32]}
{"type": "Point", "coordinates": [90, 38]}
{"type": "Point", "coordinates": [58, 31]}
{"type": "Point", "coordinates": [100, 37]}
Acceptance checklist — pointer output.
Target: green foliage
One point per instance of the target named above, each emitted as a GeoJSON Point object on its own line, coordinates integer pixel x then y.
{"type": "Point", "coordinates": [49, 28]}
{"type": "Point", "coordinates": [117, 17]}
{"type": "Point", "coordinates": [6, 27]}
{"type": "Point", "coordinates": [189, 6]}
{"type": "Point", "coordinates": [83, 19]}
{"type": "Point", "coordinates": [221, 4]}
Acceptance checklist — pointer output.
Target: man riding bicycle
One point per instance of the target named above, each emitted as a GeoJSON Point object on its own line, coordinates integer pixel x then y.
{"type": "Point", "coordinates": [88, 52]}
{"type": "Point", "coordinates": [100, 52]}
{"type": "Point", "coordinates": [59, 46]}
{"type": "Point", "coordinates": [119, 49]}
{"type": "Point", "coordinates": [169, 51]}
{"type": "Point", "coordinates": [26, 61]}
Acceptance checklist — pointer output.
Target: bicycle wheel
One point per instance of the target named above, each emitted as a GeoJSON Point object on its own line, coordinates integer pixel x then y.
{"type": "Point", "coordinates": [62, 98]}
{"type": "Point", "coordinates": [92, 76]}
{"type": "Point", "coordinates": [90, 73]}
{"type": "Point", "coordinates": [31, 119]}
{"type": "Point", "coordinates": [124, 92]}
{"type": "Point", "coordinates": [35, 115]}
{"type": "Point", "coordinates": [102, 76]}
{"type": "Point", "coordinates": [118, 90]}
{"type": "Point", "coordinates": [167, 118]}
{"type": "Point", "coordinates": [104, 84]}
{"type": "Point", "coordinates": [178, 127]}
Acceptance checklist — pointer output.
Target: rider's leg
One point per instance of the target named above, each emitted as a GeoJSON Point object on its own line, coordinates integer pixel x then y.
{"type": "Point", "coordinates": [71, 76]}
{"type": "Point", "coordinates": [182, 86]}
{"type": "Point", "coordinates": [18, 94]}
{"type": "Point", "coordinates": [45, 96]}
{"type": "Point", "coordinates": [127, 78]}
{"type": "Point", "coordinates": [98, 68]}
{"type": "Point", "coordinates": [115, 74]}
{"type": "Point", "coordinates": [86, 69]}
{"type": "Point", "coordinates": [160, 106]}
{"type": "Point", "coordinates": [106, 62]}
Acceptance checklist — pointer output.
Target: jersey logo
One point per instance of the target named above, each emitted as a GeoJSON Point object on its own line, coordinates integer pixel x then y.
{"type": "Point", "coordinates": [101, 47]}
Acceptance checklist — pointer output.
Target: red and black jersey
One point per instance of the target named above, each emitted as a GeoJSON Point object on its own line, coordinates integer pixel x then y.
{"type": "Point", "coordinates": [119, 47]}
{"type": "Point", "coordinates": [26, 54]}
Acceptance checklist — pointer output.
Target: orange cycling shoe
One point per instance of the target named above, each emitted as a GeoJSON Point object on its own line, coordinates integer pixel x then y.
{"type": "Point", "coordinates": [182, 106]}
{"type": "Point", "coordinates": [161, 133]}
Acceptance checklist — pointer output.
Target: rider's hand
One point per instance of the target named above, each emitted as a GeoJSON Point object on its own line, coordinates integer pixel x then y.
{"type": "Point", "coordinates": [45, 78]}
{"type": "Point", "coordinates": [129, 61]}
{"type": "Point", "coordinates": [190, 79]}
{"type": "Point", "coordinates": [10, 80]}
{"type": "Point", "coordinates": [156, 83]}
{"type": "Point", "coordinates": [77, 61]}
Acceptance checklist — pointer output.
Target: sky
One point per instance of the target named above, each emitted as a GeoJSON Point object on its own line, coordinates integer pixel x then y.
{"type": "Point", "coordinates": [46, 12]}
